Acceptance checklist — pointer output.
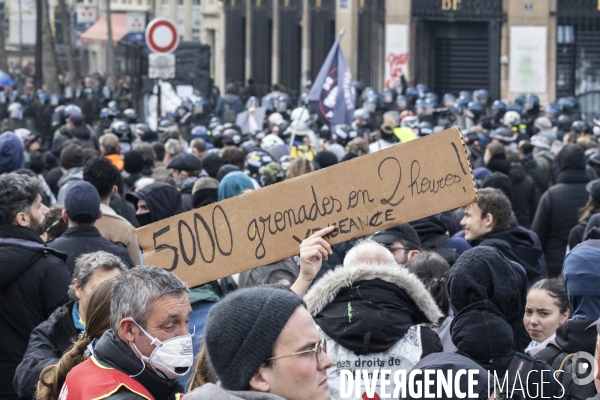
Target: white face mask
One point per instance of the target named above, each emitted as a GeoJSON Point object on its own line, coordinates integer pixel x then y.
{"type": "Point", "coordinates": [170, 359]}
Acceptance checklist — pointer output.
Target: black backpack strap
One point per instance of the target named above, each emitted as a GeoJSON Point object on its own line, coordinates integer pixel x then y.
{"type": "Point", "coordinates": [549, 355]}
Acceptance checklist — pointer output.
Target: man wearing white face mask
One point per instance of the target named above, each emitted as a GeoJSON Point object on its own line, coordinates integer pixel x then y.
{"type": "Point", "coordinates": [148, 346]}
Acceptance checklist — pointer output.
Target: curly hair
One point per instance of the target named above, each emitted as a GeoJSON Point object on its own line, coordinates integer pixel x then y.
{"type": "Point", "coordinates": [17, 194]}
{"type": "Point", "coordinates": [102, 175]}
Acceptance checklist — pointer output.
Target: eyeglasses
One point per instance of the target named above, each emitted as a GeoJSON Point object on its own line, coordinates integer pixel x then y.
{"type": "Point", "coordinates": [320, 346]}
{"type": "Point", "coordinates": [394, 248]}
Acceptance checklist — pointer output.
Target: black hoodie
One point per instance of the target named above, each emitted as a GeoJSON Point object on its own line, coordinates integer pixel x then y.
{"type": "Point", "coordinates": [33, 282]}
{"type": "Point", "coordinates": [48, 342]}
{"type": "Point", "coordinates": [489, 294]}
{"type": "Point", "coordinates": [559, 207]}
{"type": "Point", "coordinates": [525, 195]}
{"type": "Point", "coordinates": [499, 164]}
{"type": "Point", "coordinates": [163, 200]}
{"type": "Point", "coordinates": [516, 245]}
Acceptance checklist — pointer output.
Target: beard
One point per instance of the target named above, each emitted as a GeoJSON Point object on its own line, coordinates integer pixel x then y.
{"type": "Point", "coordinates": [36, 225]}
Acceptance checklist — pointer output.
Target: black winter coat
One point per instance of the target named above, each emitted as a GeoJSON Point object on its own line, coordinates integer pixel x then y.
{"type": "Point", "coordinates": [33, 282]}
{"type": "Point", "coordinates": [499, 164]}
{"type": "Point", "coordinates": [558, 213]}
{"type": "Point", "coordinates": [187, 200]}
{"type": "Point", "coordinates": [533, 169]}
{"type": "Point", "coordinates": [518, 246]}
{"type": "Point", "coordinates": [525, 195]}
{"type": "Point", "coordinates": [577, 233]}
{"type": "Point", "coordinates": [87, 239]}
{"type": "Point", "coordinates": [385, 301]}
{"type": "Point", "coordinates": [47, 344]}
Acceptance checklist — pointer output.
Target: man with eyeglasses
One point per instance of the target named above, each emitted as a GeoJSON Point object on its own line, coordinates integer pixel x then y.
{"type": "Point", "coordinates": [402, 241]}
{"type": "Point", "coordinates": [263, 344]}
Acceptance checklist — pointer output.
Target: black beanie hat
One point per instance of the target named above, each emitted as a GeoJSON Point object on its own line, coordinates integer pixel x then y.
{"type": "Point", "coordinates": [241, 330]}
{"type": "Point", "coordinates": [211, 163]}
{"type": "Point", "coordinates": [326, 159]}
{"type": "Point", "coordinates": [498, 180]}
{"type": "Point", "coordinates": [134, 162]}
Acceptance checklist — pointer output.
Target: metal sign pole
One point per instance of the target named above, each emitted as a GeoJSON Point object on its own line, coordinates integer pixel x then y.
{"type": "Point", "coordinates": [158, 105]}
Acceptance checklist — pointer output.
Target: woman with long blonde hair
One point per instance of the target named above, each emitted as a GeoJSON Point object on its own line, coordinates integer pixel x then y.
{"type": "Point", "coordinates": [98, 311]}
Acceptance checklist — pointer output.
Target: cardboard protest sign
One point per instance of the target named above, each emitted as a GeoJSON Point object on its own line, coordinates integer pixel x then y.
{"type": "Point", "coordinates": [360, 196]}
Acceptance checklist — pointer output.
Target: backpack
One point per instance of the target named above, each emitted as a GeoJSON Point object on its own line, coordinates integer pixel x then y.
{"type": "Point", "coordinates": [282, 272]}
{"type": "Point", "coordinates": [437, 244]}
{"type": "Point", "coordinates": [229, 115]}
{"type": "Point", "coordinates": [560, 360]}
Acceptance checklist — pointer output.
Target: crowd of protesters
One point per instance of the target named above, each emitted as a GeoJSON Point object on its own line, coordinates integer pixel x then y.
{"type": "Point", "coordinates": [509, 282]}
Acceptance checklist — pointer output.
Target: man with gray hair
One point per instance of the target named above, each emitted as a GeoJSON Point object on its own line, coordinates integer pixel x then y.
{"type": "Point", "coordinates": [172, 148]}
{"type": "Point", "coordinates": [148, 346]}
{"type": "Point", "coordinates": [55, 336]}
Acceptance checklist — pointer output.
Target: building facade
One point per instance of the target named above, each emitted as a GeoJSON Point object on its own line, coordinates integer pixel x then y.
{"type": "Point", "coordinates": [510, 47]}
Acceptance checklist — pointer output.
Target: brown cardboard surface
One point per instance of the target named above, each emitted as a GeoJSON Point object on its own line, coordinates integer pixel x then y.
{"type": "Point", "coordinates": [361, 196]}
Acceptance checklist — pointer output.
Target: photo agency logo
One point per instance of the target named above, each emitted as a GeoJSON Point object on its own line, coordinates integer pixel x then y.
{"type": "Point", "coordinates": [584, 368]}
{"type": "Point", "coordinates": [521, 380]}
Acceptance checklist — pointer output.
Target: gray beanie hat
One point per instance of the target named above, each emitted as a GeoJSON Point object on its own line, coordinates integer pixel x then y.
{"type": "Point", "coordinates": [241, 330]}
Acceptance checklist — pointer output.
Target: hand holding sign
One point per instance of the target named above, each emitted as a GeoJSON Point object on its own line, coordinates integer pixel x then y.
{"type": "Point", "coordinates": [312, 252]}
{"type": "Point", "coordinates": [354, 198]}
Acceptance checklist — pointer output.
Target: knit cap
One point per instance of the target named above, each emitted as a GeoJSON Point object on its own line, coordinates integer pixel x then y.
{"type": "Point", "coordinates": [134, 162]}
{"type": "Point", "coordinates": [241, 330]}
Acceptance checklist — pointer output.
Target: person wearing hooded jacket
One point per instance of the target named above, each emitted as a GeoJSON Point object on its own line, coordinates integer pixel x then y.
{"type": "Point", "coordinates": [489, 293]}
{"type": "Point", "coordinates": [370, 312]}
{"type": "Point", "coordinates": [12, 157]}
{"type": "Point", "coordinates": [558, 209]}
{"type": "Point", "coordinates": [33, 278]}
{"type": "Point", "coordinates": [582, 280]}
{"type": "Point", "coordinates": [154, 202]}
{"type": "Point", "coordinates": [487, 223]}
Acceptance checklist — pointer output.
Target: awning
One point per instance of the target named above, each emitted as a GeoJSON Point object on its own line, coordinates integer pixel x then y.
{"type": "Point", "coordinates": [97, 33]}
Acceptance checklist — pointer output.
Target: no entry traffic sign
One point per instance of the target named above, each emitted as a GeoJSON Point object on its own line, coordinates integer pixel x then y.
{"type": "Point", "coordinates": [162, 35]}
